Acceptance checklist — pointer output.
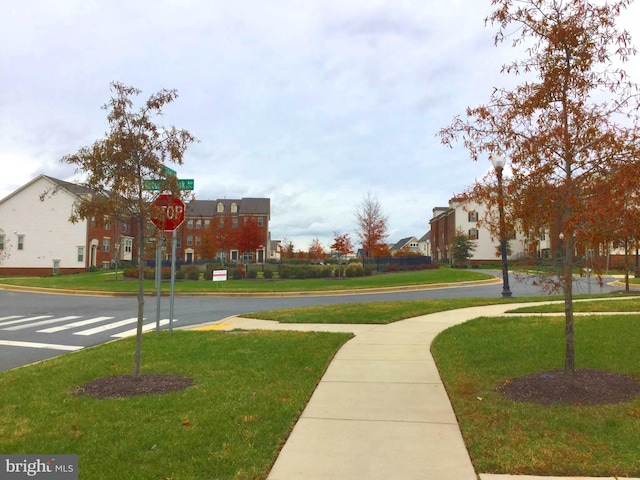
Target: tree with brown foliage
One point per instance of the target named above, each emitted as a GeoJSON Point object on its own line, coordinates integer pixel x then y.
{"type": "Point", "coordinates": [568, 130]}
{"type": "Point", "coordinates": [342, 246]}
{"type": "Point", "coordinates": [135, 148]}
{"type": "Point", "coordinates": [372, 226]}
{"type": "Point", "coordinates": [316, 251]}
{"type": "Point", "coordinates": [287, 249]}
{"type": "Point", "coordinates": [251, 236]}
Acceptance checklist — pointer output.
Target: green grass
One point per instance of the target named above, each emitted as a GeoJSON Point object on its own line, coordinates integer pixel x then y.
{"type": "Point", "coordinates": [105, 281]}
{"type": "Point", "coordinates": [249, 389]}
{"type": "Point", "coordinates": [521, 438]}
{"type": "Point", "coordinates": [625, 304]}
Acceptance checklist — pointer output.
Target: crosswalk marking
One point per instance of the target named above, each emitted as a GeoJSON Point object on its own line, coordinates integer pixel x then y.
{"type": "Point", "coordinates": [10, 317]}
{"type": "Point", "coordinates": [145, 328]}
{"type": "Point", "coordinates": [109, 326]}
{"type": "Point", "coordinates": [42, 322]}
{"type": "Point", "coordinates": [81, 323]}
{"type": "Point", "coordinates": [52, 346]}
{"type": "Point", "coordinates": [23, 320]}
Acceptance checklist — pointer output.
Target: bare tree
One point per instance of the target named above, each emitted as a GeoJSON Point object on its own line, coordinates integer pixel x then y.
{"type": "Point", "coordinates": [134, 149]}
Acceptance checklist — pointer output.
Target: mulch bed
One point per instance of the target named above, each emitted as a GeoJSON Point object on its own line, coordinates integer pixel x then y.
{"type": "Point", "coordinates": [588, 387]}
{"type": "Point", "coordinates": [121, 386]}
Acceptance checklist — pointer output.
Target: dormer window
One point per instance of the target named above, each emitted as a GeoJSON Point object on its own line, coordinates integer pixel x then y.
{"type": "Point", "coordinates": [220, 207]}
{"type": "Point", "coordinates": [234, 207]}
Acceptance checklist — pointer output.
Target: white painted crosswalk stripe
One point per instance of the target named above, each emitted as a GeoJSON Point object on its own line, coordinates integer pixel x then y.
{"type": "Point", "coordinates": [23, 320]}
{"type": "Point", "coordinates": [81, 323]}
{"type": "Point", "coordinates": [52, 346]}
{"type": "Point", "coordinates": [109, 326]}
{"type": "Point", "coordinates": [10, 317]}
{"type": "Point", "coordinates": [145, 328]}
{"type": "Point", "coordinates": [42, 322]}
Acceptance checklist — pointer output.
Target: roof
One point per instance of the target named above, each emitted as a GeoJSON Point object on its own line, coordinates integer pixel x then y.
{"type": "Point", "coordinates": [425, 237]}
{"type": "Point", "coordinates": [71, 188]}
{"type": "Point", "coordinates": [246, 206]}
{"type": "Point", "coordinates": [401, 243]}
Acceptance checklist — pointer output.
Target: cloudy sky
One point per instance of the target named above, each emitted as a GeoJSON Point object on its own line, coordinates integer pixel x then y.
{"type": "Point", "coordinates": [311, 103]}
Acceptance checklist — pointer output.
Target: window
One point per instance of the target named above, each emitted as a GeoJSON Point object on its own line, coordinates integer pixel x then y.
{"type": "Point", "coordinates": [93, 222]}
{"type": "Point", "coordinates": [189, 240]}
{"type": "Point", "coordinates": [124, 227]}
{"type": "Point", "coordinates": [474, 234]}
{"type": "Point", "coordinates": [198, 224]}
{"type": "Point", "coordinates": [220, 207]}
{"type": "Point", "coordinates": [235, 223]}
{"type": "Point", "coordinates": [56, 266]}
{"type": "Point", "coordinates": [106, 244]}
{"type": "Point", "coordinates": [190, 224]}
{"type": "Point", "coordinates": [207, 222]}
{"type": "Point", "coordinates": [197, 239]}
{"type": "Point", "coordinates": [222, 221]}
{"type": "Point", "coordinates": [107, 223]}
{"type": "Point", "coordinates": [105, 265]}
{"type": "Point", "coordinates": [543, 235]}
{"type": "Point", "coordinates": [1, 242]}
{"type": "Point", "coordinates": [20, 242]}
{"type": "Point", "coordinates": [234, 207]}
{"type": "Point", "coordinates": [128, 245]}
{"type": "Point", "coordinates": [178, 242]}
{"type": "Point", "coordinates": [260, 222]}
{"type": "Point", "coordinates": [80, 254]}
{"type": "Point", "coordinates": [473, 216]}
{"type": "Point", "coordinates": [234, 255]}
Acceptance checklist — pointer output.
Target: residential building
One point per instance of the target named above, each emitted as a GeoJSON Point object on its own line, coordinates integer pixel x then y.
{"type": "Point", "coordinates": [424, 244]}
{"type": "Point", "coordinates": [466, 216]}
{"type": "Point", "coordinates": [408, 244]}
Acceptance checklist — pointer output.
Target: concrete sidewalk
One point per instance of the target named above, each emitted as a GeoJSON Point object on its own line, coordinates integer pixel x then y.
{"type": "Point", "coordinates": [381, 410]}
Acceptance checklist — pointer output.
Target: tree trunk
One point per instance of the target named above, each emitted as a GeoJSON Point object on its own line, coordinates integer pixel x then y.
{"type": "Point", "coordinates": [567, 273]}
{"type": "Point", "coordinates": [138, 353]}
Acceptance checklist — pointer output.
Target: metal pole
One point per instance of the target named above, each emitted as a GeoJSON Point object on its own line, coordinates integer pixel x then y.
{"type": "Point", "coordinates": [158, 285]}
{"type": "Point", "coordinates": [173, 279]}
{"type": "Point", "coordinates": [506, 291]}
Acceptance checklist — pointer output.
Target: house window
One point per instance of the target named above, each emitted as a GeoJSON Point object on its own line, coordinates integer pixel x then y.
{"type": "Point", "coordinates": [93, 222]}
{"type": "Point", "coordinates": [473, 216]}
{"type": "Point", "coordinates": [543, 235]}
{"type": "Point", "coordinates": [178, 242]}
{"type": "Point", "coordinates": [80, 254]}
{"type": "Point", "coordinates": [222, 221]}
{"type": "Point", "coordinates": [106, 244]}
{"type": "Point", "coordinates": [124, 227]}
{"type": "Point", "coordinates": [128, 245]}
{"type": "Point", "coordinates": [189, 240]}
{"type": "Point", "coordinates": [207, 222]}
{"type": "Point", "coordinates": [197, 239]}
{"type": "Point", "coordinates": [105, 265]}
{"type": "Point", "coordinates": [198, 224]}
{"type": "Point", "coordinates": [190, 224]}
{"type": "Point", "coordinates": [56, 267]}
{"type": "Point", "coordinates": [473, 234]}
{"type": "Point", "coordinates": [235, 223]}
{"type": "Point", "coordinates": [234, 255]}
{"type": "Point", "coordinates": [234, 207]}
{"type": "Point", "coordinates": [260, 222]}
{"type": "Point", "coordinates": [20, 242]}
{"type": "Point", "coordinates": [107, 223]}
{"type": "Point", "coordinates": [220, 207]}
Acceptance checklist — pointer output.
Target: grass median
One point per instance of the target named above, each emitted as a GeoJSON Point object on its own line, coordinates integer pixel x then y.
{"type": "Point", "coordinates": [106, 282]}
{"type": "Point", "coordinates": [248, 390]}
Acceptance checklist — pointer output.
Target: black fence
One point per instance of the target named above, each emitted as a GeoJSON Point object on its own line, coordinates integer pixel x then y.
{"type": "Point", "coordinates": [387, 264]}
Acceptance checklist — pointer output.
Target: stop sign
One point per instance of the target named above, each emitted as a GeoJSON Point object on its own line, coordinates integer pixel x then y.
{"type": "Point", "coordinates": [173, 212]}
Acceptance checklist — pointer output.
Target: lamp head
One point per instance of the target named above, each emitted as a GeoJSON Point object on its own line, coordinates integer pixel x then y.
{"type": "Point", "coordinates": [498, 160]}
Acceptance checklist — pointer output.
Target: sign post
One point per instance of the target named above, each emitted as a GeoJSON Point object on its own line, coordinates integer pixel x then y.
{"type": "Point", "coordinates": [173, 216]}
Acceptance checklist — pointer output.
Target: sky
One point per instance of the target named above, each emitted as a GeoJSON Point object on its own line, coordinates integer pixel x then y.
{"type": "Point", "coordinates": [313, 104]}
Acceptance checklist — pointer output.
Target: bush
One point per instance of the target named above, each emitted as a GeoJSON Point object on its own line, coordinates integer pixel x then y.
{"type": "Point", "coordinates": [354, 270]}
{"type": "Point", "coordinates": [180, 274]}
{"type": "Point", "coordinates": [267, 274]}
{"type": "Point", "coordinates": [165, 273]}
{"type": "Point", "coordinates": [368, 271]}
{"type": "Point", "coordinates": [149, 274]}
{"type": "Point", "coordinates": [236, 274]}
{"type": "Point", "coordinates": [252, 273]}
{"type": "Point", "coordinates": [285, 271]}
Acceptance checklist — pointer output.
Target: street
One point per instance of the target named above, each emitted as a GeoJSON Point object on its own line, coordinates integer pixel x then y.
{"type": "Point", "coordinates": [36, 326]}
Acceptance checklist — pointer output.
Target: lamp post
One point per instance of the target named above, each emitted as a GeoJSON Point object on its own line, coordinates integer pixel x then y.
{"type": "Point", "coordinates": [117, 250]}
{"type": "Point", "coordinates": [499, 161]}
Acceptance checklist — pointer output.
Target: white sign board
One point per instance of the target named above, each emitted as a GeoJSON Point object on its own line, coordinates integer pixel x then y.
{"type": "Point", "coordinates": [219, 275]}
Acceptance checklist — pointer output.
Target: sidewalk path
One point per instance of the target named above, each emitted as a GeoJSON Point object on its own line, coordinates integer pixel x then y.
{"type": "Point", "coordinates": [380, 411]}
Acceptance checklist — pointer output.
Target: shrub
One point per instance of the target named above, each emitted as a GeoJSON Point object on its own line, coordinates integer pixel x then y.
{"type": "Point", "coordinates": [165, 273]}
{"type": "Point", "coordinates": [354, 270]}
{"type": "Point", "coordinates": [368, 271]}
{"type": "Point", "coordinates": [130, 273]}
{"type": "Point", "coordinates": [267, 274]}
{"type": "Point", "coordinates": [252, 273]}
{"type": "Point", "coordinates": [236, 274]}
{"type": "Point", "coordinates": [180, 274]}
{"type": "Point", "coordinates": [285, 271]}
{"type": "Point", "coordinates": [301, 273]}
{"type": "Point", "coordinates": [149, 273]}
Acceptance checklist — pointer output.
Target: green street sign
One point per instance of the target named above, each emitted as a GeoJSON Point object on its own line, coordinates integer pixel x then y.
{"type": "Point", "coordinates": [170, 171]}
{"type": "Point", "coordinates": [183, 184]}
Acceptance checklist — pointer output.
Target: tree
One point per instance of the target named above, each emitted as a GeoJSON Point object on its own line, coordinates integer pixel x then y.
{"type": "Point", "coordinates": [342, 246]}
{"type": "Point", "coordinates": [372, 225]}
{"type": "Point", "coordinates": [135, 148]}
{"type": "Point", "coordinates": [250, 236]}
{"type": "Point", "coordinates": [316, 250]}
{"type": "Point", "coordinates": [569, 127]}
{"type": "Point", "coordinates": [462, 247]}
{"type": "Point", "coordinates": [286, 249]}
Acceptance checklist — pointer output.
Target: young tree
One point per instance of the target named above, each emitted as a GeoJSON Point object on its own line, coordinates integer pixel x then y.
{"type": "Point", "coordinates": [135, 148]}
{"type": "Point", "coordinates": [316, 250]}
{"type": "Point", "coordinates": [462, 247]}
{"type": "Point", "coordinates": [286, 249]}
{"type": "Point", "coordinates": [250, 236]}
{"type": "Point", "coordinates": [372, 225]}
{"type": "Point", "coordinates": [569, 126]}
{"type": "Point", "coordinates": [342, 246]}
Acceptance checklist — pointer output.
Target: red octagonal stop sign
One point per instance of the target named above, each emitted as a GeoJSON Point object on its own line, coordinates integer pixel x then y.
{"type": "Point", "coordinates": [173, 212]}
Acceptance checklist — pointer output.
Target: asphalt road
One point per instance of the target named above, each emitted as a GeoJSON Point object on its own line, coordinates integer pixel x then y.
{"type": "Point", "coordinates": [37, 326]}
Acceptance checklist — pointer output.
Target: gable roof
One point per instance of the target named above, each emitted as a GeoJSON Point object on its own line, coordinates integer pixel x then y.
{"type": "Point", "coordinates": [402, 242]}
{"type": "Point", "coordinates": [246, 206]}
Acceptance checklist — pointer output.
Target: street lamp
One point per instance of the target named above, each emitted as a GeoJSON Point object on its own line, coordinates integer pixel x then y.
{"type": "Point", "coordinates": [499, 161]}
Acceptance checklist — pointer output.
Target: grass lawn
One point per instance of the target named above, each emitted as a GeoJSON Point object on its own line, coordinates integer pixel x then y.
{"type": "Point", "coordinates": [612, 304]}
{"type": "Point", "coordinates": [249, 389]}
{"type": "Point", "coordinates": [522, 438]}
{"type": "Point", "coordinates": [105, 281]}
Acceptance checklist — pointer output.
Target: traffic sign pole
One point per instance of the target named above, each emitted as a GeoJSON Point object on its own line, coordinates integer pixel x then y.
{"type": "Point", "coordinates": [173, 279]}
